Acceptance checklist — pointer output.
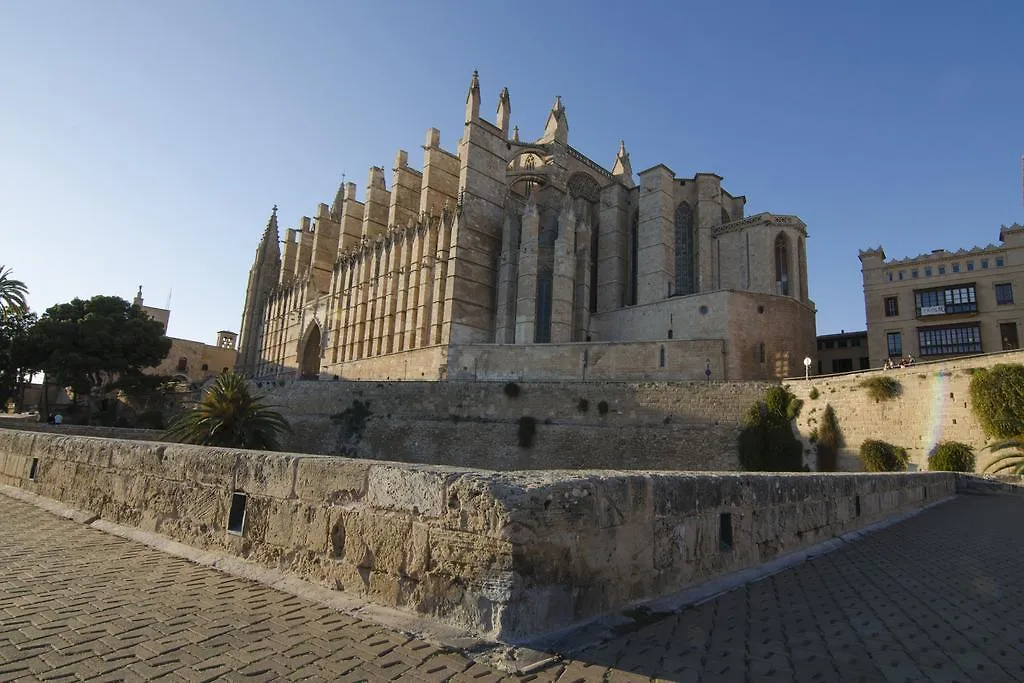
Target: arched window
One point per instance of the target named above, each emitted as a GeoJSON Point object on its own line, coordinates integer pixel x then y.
{"type": "Point", "coordinates": [782, 265]}
{"type": "Point", "coordinates": [183, 364]}
{"type": "Point", "coordinates": [684, 250]}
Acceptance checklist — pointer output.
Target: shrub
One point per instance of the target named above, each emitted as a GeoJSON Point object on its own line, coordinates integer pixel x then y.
{"type": "Point", "coordinates": [881, 456]}
{"type": "Point", "coordinates": [353, 420]}
{"type": "Point", "coordinates": [602, 407]}
{"type": "Point", "coordinates": [829, 441]}
{"type": "Point", "coordinates": [997, 399]}
{"type": "Point", "coordinates": [583, 406]}
{"type": "Point", "coordinates": [881, 387]}
{"type": "Point", "coordinates": [767, 442]}
{"type": "Point", "coordinates": [511, 389]}
{"type": "Point", "coordinates": [951, 456]}
{"type": "Point", "coordinates": [814, 393]}
{"type": "Point", "coordinates": [527, 430]}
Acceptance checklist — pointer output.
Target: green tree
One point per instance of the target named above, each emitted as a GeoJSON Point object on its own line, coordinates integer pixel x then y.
{"type": "Point", "coordinates": [83, 343]}
{"type": "Point", "coordinates": [767, 442]}
{"type": "Point", "coordinates": [882, 456]}
{"type": "Point", "coordinates": [997, 399]}
{"type": "Point", "coordinates": [14, 353]}
{"type": "Point", "coordinates": [230, 415]}
{"type": "Point", "coordinates": [12, 294]}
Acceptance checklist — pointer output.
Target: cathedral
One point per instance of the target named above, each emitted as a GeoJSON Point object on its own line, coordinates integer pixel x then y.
{"type": "Point", "coordinates": [514, 259]}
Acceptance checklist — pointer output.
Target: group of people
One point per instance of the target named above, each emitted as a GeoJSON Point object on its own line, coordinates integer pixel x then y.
{"type": "Point", "coordinates": [904, 362]}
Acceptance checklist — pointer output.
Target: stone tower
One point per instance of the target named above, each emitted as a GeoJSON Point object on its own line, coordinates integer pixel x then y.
{"type": "Point", "coordinates": [263, 276]}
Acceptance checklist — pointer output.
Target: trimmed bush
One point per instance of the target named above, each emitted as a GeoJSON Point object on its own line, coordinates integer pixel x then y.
{"type": "Point", "coordinates": [583, 406]}
{"type": "Point", "coordinates": [951, 456]}
{"type": "Point", "coordinates": [997, 399]}
{"type": "Point", "coordinates": [602, 407]}
{"type": "Point", "coordinates": [881, 387]}
{"type": "Point", "coordinates": [829, 441]}
{"type": "Point", "coordinates": [767, 442]}
{"type": "Point", "coordinates": [881, 456]}
{"type": "Point", "coordinates": [527, 430]}
{"type": "Point", "coordinates": [814, 393]}
{"type": "Point", "coordinates": [511, 389]}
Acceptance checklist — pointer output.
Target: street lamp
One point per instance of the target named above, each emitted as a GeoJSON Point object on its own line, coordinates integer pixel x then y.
{"type": "Point", "coordinates": [807, 367]}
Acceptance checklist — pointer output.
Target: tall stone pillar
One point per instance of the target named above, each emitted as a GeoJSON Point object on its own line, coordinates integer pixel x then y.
{"type": "Point", "coordinates": [505, 331]}
{"type": "Point", "coordinates": [412, 317]}
{"type": "Point", "coordinates": [444, 242]}
{"type": "Point", "coordinates": [402, 311]}
{"type": "Point", "coordinates": [563, 285]}
{"type": "Point", "coordinates": [426, 289]}
{"type": "Point", "coordinates": [581, 307]}
{"type": "Point", "coordinates": [656, 235]}
{"type": "Point", "coordinates": [709, 214]}
{"type": "Point", "coordinates": [526, 285]}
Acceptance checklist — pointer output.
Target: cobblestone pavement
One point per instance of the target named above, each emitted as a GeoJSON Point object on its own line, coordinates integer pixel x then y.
{"type": "Point", "coordinates": [938, 597]}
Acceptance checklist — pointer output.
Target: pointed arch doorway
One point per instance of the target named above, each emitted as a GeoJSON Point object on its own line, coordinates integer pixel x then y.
{"type": "Point", "coordinates": [309, 359]}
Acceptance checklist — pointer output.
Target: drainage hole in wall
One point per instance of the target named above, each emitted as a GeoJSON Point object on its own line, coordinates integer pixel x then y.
{"type": "Point", "coordinates": [236, 517]}
{"type": "Point", "coordinates": [33, 468]}
{"type": "Point", "coordinates": [725, 531]}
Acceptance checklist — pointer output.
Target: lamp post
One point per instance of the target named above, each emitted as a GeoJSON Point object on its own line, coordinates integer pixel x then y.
{"type": "Point", "coordinates": [807, 367]}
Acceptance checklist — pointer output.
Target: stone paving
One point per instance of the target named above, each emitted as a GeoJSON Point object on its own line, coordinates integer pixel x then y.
{"type": "Point", "coordinates": [938, 597]}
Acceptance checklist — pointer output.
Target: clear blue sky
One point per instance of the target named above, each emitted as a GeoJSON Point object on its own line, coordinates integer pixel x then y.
{"type": "Point", "coordinates": [145, 142]}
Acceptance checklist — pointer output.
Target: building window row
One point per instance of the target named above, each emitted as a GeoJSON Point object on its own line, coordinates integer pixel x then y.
{"type": "Point", "coordinates": [1000, 261]}
{"type": "Point", "coordinates": [961, 299]}
{"type": "Point", "coordinates": [940, 341]}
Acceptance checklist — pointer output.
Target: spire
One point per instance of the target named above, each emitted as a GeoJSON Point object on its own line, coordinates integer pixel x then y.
{"type": "Point", "coordinates": [339, 199]}
{"type": "Point", "coordinates": [557, 127]}
{"type": "Point", "coordinates": [473, 99]}
{"type": "Point", "coordinates": [622, 170]}
{"type": "Point", "coordinates": [271, 224]}
{"type": "Point", "coordinates": [515, 134]}
{"type": "Point", "coordinates": [138, 297]}
{"type": "Point", "coordinates": [504, 111]}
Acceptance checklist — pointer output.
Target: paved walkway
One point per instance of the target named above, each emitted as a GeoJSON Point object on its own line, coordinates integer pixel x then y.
{"type": "Point", "coordinates": [939, 597]}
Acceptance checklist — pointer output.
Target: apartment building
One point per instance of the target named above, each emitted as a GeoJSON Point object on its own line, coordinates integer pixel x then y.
{"type": "Point", "coordinates": [843, 352]}
{"type": "Point", "coordinates": [944, 303]}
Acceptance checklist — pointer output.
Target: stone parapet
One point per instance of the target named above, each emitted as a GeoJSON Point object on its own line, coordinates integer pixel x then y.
{"type": "Point", "coordinates": [508, 555]}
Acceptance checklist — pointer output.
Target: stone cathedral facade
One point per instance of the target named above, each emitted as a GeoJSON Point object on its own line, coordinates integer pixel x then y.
{"type": "Point", "coordinates": [513, 259]}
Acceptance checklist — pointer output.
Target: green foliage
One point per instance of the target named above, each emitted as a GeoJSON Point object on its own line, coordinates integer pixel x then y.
{"type": "Point", "coordinates": [229, 415]}
{"type": "Point", "coordinates": [602, 407]}
{"type": "Point", "coordinates": [951, 456]}
{"type": "Point", "coordinates": [583, 405]}
{"type": "Point", "coordinates": [81, 343]}
{"type": "Point", "coordinates": [14, 353]}
{"type": "Point", "coordinates": [881, 456]}
{"type": "Point", "coordinates": [527, 430]}
{"type": "Point", "coordinates": [767, 442]}
{"type": "Point", "coordinates": [997, 399]}
{"type": "Point", "coordinates": [881, 387]}
{"type": "Point", "coordinates": [814, 393]}
{"type": "Point", "coordinates": [830, 439]}
{"type": "Point", "coordinates": [1007, 463]}
{"type": "Point", "coordinates": [12, 294]}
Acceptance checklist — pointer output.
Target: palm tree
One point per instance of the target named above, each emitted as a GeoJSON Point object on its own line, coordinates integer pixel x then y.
{"type": "Point", "coordinates": [12, 294]}
{"type": "Point", "coordinates": [1008, 463]}
{"type": "Point", "coordinates": [229, 415]}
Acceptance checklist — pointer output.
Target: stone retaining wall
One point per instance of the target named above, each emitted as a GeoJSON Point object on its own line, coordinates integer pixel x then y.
{"type": "Point", "coordinates": [509, 555]}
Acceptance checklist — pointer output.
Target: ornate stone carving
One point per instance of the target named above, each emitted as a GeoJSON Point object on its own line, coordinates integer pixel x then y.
{"type": "Point", "coordinates": [583, 186]}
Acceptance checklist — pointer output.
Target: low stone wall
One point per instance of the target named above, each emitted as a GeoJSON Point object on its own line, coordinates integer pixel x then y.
{"type": "Point", "coordinates": [88, 430]}
{"type": "Point", "coordinates": [934, 405]}
{"type": "Point", "coordinates": [508, 555]}
{"type": "Point", "coordinates": [645, 425]}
